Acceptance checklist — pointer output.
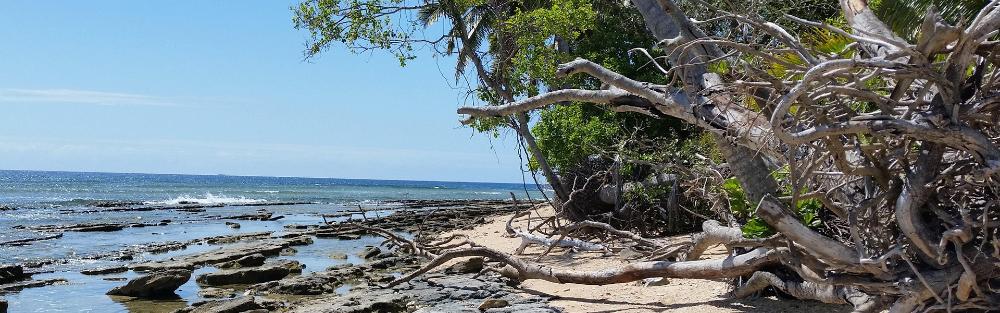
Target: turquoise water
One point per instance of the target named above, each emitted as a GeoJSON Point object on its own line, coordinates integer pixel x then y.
{"type": "Point", "coordinates": [48, 198]}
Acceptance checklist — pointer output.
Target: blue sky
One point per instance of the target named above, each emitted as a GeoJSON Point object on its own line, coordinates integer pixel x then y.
{"type": "Point", "coordinates": [209, 87]}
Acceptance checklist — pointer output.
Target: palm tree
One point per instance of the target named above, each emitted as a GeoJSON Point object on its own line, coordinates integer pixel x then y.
{"type": "Point", "coordinates": [471, 26]}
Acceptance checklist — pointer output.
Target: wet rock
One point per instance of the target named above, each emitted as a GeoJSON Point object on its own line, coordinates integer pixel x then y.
{"type": "Point", "coordinates": [294, 266]}
{"type": "Point", "coordinates": [113, 203]}
{"type": "Point", "coordinates": [26, 241]}
{"type": "Point", "coordinates": [259, 216]}
{"type": "Point", "coordinates": [165, 247]}
{"type": "Point", "coordinates": [216, 293]}
{"type": "Point", "coordinates": [84, 227]}
{"type": "Point", "coordinates": [16, 286]}
{"type": "Point", "coordinates": [237, 305]}
{"type": "Point", "coordinates": [349, 237]}
{"type": "Point", "coordinates": [247, 261]}
{"type": "Point", "coordinates": [382, 301]}
{"type": "Point", "coordinates": [3, 305]}
{"type": "Point", "coordinates": [288, 251]}
{"type": "Point", "coordinates": [338, 256]}
{"type": "Point", "coordinates": [380, 278]}
{"type": "Point", "coordinates": [469, 266]}
{"type": "Point", "coordinates": [97, 228]}
{"type": "Point", "coordinates": [233, 225]}
{"type": "Point", "coordinates": [238, 237]}
{"type": "Point", "coordinates": [154, 285]}
{"type": "Point", "coordinates": [313, 284]}
{"type": "Point", "coordinates": [251, 275]}
{"type": "Point", "coordinates": [11, 273]}
{"type": "Point", "coordinates": [105, 270]}
{"type": "Point", "coordinates": [114, 278]}
{"type": "Point", "coordinates": [124, 257]}
{"type": "Point", "coordinates": [229, 253]}
{"type": "Point", "coordinates": [493, 304]}
{"type": "Point", "coordinates": [300, 241]}
{"type": "Point", "coordinates": [370, 252]}
{"type": "Point", "coordinates": [385, 263]}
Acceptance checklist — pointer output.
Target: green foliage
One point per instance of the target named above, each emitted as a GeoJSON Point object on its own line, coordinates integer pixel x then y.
{"type": "Point", "coordinates": [567, 134]}
{"type": "Point", "coordinates": [738, 203]}
{"type": "Point", "coordinates": [535, 31]}
{"type": "Point", "coordinates": [754, 227]}
{"type": "Point", "coordinates": [358, 24]}
{"type": "Point", "coordinates": [905, 16]}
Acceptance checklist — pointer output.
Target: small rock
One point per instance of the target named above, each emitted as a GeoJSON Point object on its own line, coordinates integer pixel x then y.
{"type": "Point", "coordinates": [115, 278]}
{"type": "Point", "coordinates": [370, 252]}
{"type": "Point", "coordinates": [105, 270]}
{"type": "Point", "coordinates": [348, 237]}
{"type": "Point", "coordinates": [3, 305]}
{"type": "Point", "coordinates": [470, 266]}
{"type": "Point", "coordinates": [11, 273]}
{"type": "Point", "coordinates": [242, 304]}
{"type": "Point", "coordinates": [288, 251]}
{"type": "Point", "coordinates": [493, 304]}
{"type": "Point", "coordinates": [338, 256]}
{"type": "Point", "coordinates": [30, 284]}
{"type": "Point", "coordinates": [300, 241]}
{"type": "Point", "coordinates": [216, 293]}
{"type": "Point", "coordinates": [158, 284]}
{"type": "Point", "coordinates": [233, 225]}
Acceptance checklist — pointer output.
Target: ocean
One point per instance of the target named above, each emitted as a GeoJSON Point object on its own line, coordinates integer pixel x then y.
{"type": "Point", "coordinates": [30, 200]}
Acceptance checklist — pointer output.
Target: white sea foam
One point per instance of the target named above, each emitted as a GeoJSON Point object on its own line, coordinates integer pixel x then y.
{"type": "Point", "coordinates": [208, 198]}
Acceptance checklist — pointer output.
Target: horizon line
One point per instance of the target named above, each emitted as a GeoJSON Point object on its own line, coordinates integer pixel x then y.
{"type": "Point", "coordinates": [270, 176]}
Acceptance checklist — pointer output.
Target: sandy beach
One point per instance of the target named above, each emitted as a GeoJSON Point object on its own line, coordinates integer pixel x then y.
{"type": "Point", "coordinates": [679, 295]}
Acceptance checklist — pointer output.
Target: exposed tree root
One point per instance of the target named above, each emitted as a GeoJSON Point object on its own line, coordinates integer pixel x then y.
{"type": "Point", "coordinates": [807, 290]}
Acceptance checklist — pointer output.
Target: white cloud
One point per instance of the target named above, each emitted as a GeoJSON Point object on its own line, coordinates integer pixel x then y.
{"type": "Point", "coordinates": [12, 95]}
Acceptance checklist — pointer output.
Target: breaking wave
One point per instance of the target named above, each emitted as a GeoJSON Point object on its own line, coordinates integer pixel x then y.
{"type": "Point", "coordinates": [208, 198]}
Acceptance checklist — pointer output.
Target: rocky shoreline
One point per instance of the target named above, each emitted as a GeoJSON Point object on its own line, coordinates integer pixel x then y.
{"type": "Point", "coordinates": [249, 276]}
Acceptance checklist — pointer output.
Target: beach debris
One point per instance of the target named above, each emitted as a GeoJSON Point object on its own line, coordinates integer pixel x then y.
{"type": "Point", "coordinates": [154, 285]}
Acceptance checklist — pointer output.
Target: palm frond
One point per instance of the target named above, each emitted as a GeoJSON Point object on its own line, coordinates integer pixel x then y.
{"type": "Point", "coordinates": [905, 16]}
{"type": "Point", "coordinates": [430, 13]}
